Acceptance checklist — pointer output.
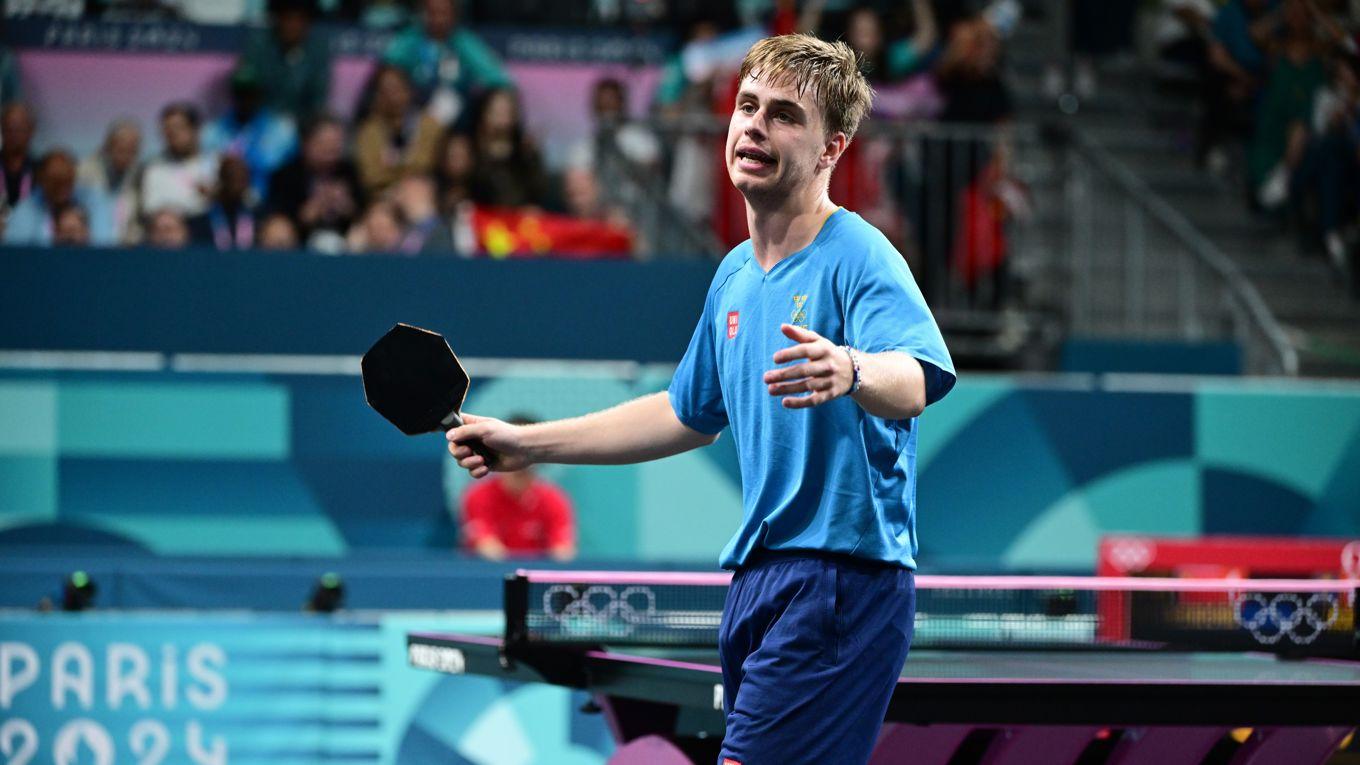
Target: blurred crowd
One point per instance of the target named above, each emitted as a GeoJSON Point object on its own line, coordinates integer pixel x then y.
{"type": "Point", "coordinates": [439, 135]}
{"type": "Point", "coordinates": [1280, 97]}
{"type": "Point", "coordinates": [437, 155]}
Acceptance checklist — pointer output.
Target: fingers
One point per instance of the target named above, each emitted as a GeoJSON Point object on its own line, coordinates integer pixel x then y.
{"type": "Point", "coordinates": [807, 402]}
{"type": "Point", "coordinates": [799, 372]}
{"type": "Point", "coordinates": [470, 431]}
{"type": "Point", "coordinates": [800, 351]}
{"type": "Point", "coordinates": [469, 460]}
{"type": "Point", "coordinates": [810, 385]}
{"type": "Point", "coordinates": [799, 334]}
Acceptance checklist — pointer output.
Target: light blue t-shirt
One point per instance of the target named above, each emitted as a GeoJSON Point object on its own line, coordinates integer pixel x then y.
{"type": "Point", "coordinates": [833, 477]}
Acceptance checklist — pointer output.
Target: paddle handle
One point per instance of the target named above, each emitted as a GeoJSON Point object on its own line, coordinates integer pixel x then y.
{"type": "Point", "coordinates": [455, 420]}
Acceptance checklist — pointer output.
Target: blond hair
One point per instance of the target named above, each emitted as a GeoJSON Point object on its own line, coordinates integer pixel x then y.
{"type": "Point", "coordinates": [830, 69]}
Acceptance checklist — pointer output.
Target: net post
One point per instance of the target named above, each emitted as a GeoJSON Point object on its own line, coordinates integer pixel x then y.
{"type": "Point", "coordinates": [516, 608]}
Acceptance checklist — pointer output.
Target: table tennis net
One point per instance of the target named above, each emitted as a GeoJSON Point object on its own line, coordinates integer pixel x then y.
{"type": "Point", "coordinates": [1297, 617]}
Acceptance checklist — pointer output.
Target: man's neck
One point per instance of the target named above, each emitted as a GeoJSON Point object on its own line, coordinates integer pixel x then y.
{"type": "Point", "coordinates": [781, 230]}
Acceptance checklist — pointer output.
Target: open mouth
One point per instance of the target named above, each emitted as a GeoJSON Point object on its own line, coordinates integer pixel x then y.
{"type": "Point", "coordinates": [754, 155]}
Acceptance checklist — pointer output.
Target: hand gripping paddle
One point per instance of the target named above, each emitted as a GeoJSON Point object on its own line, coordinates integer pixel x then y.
{"type": "Point", "coordinates": [413, 379]}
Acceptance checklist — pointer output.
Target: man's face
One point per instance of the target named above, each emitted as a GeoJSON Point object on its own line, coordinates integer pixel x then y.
{"type": "Point", "coordinates": [394, 95]}
{"type": "Point", "coordinates": [123, 148]}
{"type": "Point", "coordinates": [441, 16]}
{"type": "Point", "coordinates": [292, 26]}
{"type": "Point", "coordinates": [58, 182]}
{"type": "Point", "coordinates": [325, 147]}
{"type": "Point", "coordinates": [776, 141]}
{"type": "Point", "coordinates": [168, 230]}
{"type": "Point", "coordinates": [180, 135]}
{"type": "Point", "coordinates": [16, 130]}
{"type": "Point", "coordinates": [864, 32]}
{"type": "Point", "coordinates": [71, 228]}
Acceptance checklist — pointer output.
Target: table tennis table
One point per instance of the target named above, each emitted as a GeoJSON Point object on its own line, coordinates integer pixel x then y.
{"type": "Point", "coordinates": [1002, 670]}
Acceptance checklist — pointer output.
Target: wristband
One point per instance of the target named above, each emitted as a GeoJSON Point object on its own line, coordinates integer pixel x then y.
{"type": "Point", "coordinates": [855, 381]}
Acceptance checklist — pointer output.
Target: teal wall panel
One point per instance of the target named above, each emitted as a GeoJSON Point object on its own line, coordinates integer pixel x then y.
{"type": "Point", "coordinates": [1015, 473]}
{"type": "Point", "coordinates": [174, 420]}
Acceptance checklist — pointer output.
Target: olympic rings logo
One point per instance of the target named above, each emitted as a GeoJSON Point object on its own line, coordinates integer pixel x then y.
{"type": "Point", "coordinates": [600, 607]}
{"type": "Point", "coordinates": [1270, 618]}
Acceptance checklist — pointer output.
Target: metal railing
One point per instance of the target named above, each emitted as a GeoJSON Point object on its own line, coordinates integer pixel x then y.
{"type": "Point", "coordinates": [1140, 269]}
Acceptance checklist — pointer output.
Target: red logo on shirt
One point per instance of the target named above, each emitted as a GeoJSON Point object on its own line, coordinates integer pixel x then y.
{"type": "Point", "coordinates": [732, 319]}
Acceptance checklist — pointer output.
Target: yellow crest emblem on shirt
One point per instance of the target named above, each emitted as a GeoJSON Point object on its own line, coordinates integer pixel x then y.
{"type": "Point", "coordinates": [799, 317]}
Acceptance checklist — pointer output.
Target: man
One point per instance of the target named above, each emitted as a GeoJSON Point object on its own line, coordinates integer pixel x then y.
{"type": "Point", "coordinates": [820, 611]}
{"type": "Point", "coordinates": [446, 62]}
{"type": "Point", "coordinates": [166, 229]}
{"type": "Point", "coordinates": [229, 222]}
{"type": "Point", "coordinates": [252, 131]}
{"type": "Point", "coordinates": [319, 190]}
{"type": "Point", "coordinates": [293, 62]}
{"type": "Point", "coordinates": [518, 514]}
{"type": "Point", "coordinates": [16, 161]}
{"type": "Point", "coordinates": [182, 178]}
{"type": "Point", "coordinates": [34, 221]}
{"type": "Point", "coordinates": [71, 227]}
{"type": "Point", "coordinates": [113, 171]}
{"type": "Point", "coordinates": [427, 233]}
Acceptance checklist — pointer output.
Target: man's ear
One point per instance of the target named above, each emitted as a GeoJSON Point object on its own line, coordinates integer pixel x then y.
{"type": "Point", "coordinates": [833, 149]}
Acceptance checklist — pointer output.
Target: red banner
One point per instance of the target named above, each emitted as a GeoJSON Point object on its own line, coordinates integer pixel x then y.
{"type": "Point", "coordinates": [515, 233]}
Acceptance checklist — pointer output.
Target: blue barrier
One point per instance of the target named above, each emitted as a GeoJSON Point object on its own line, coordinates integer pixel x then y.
{"type": "Point", "coordinates": [299, 303]}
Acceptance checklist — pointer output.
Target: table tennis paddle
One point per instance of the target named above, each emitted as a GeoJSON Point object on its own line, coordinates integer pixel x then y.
{"type": "Point", "coordinates": [413, 379]}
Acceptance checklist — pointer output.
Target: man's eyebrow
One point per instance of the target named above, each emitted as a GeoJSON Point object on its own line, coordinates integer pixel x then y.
{"type": "Point", "coordinates": [778, 103]}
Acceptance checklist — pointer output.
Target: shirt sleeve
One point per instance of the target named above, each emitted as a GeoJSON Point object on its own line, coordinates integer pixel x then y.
{"type": "Point", "coordinates": [561, 519]}
{"type": "Point", "coordinates": [885, 311]}
{"type": "Point", "coordinates": [695, 391]}
{"type": "Point", "coordinates": [484, 68]}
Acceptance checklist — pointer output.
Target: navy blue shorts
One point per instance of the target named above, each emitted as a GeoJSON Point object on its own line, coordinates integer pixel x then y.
{"type": "Point", "coordinates": [812, 647]}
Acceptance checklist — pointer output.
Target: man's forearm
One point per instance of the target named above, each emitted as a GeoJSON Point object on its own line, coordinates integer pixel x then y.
{"type": "Point", "coordinates": [892, 385]}
{"type": "Point", "coordinates": [637, 431]}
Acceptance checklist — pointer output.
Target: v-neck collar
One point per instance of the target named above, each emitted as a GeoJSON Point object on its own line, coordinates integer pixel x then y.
{"type": "Point", "coordinates": [797, 254]}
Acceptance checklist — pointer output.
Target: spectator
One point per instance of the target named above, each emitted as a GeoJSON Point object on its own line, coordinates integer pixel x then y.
{"type": "Point", "coordinates": [16, 159]}
{"type": "Point", "coordinates": [395, 139]}
{"type": "Point", "coordinates": [426, 231]}
{"type": "Point", "coordinates": [1236, 65]}
{"type": "Point", "coordinates": [457, 164]}
{"type": "Point", "coordinates": [1329, 173]}
{"type": "Point", "coordinates": [380, 230]}
{"type": "Point", "coordinates": [182, 178]}
{"type": "Point", "coordinates": [969, 74]}
{"type": "Point", "coordinates": [71, 227]}
{"type": "Point", "coordinates": [229, 223]}
{"type": "Point", "coordinates": [112, 171]}
{"type": "Point", "coordinates": [262, 137]}
{"type": "Point", "coordinates": [278, 233]}
{"type": "Point", "coordinates": [886, 61]}
{"type": "Point", "coordinates": [33, 222]}
{"type": "Point", "coordinates": [581, 195]}
{"type": "Point", "coordinates": [319, 190]}
{"type": "Point", "coordinates": [609, 113]}
{"type": "Point", "coordinates": [518, 515]}
{"type": "Point", "coordinates": [292, 60]}
{"type": "Point", "coordinates": [166, 229]}
{"type": "Point", "coordinates": [1296, 75]}
{"type": "Point", "coordinates": [447, 63]}
{"type": "Point", "coordinates": [509, 171]}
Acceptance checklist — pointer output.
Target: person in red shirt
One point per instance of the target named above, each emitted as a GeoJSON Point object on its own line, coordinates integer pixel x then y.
{"type": "Point", "coordinates": [518, 515]}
